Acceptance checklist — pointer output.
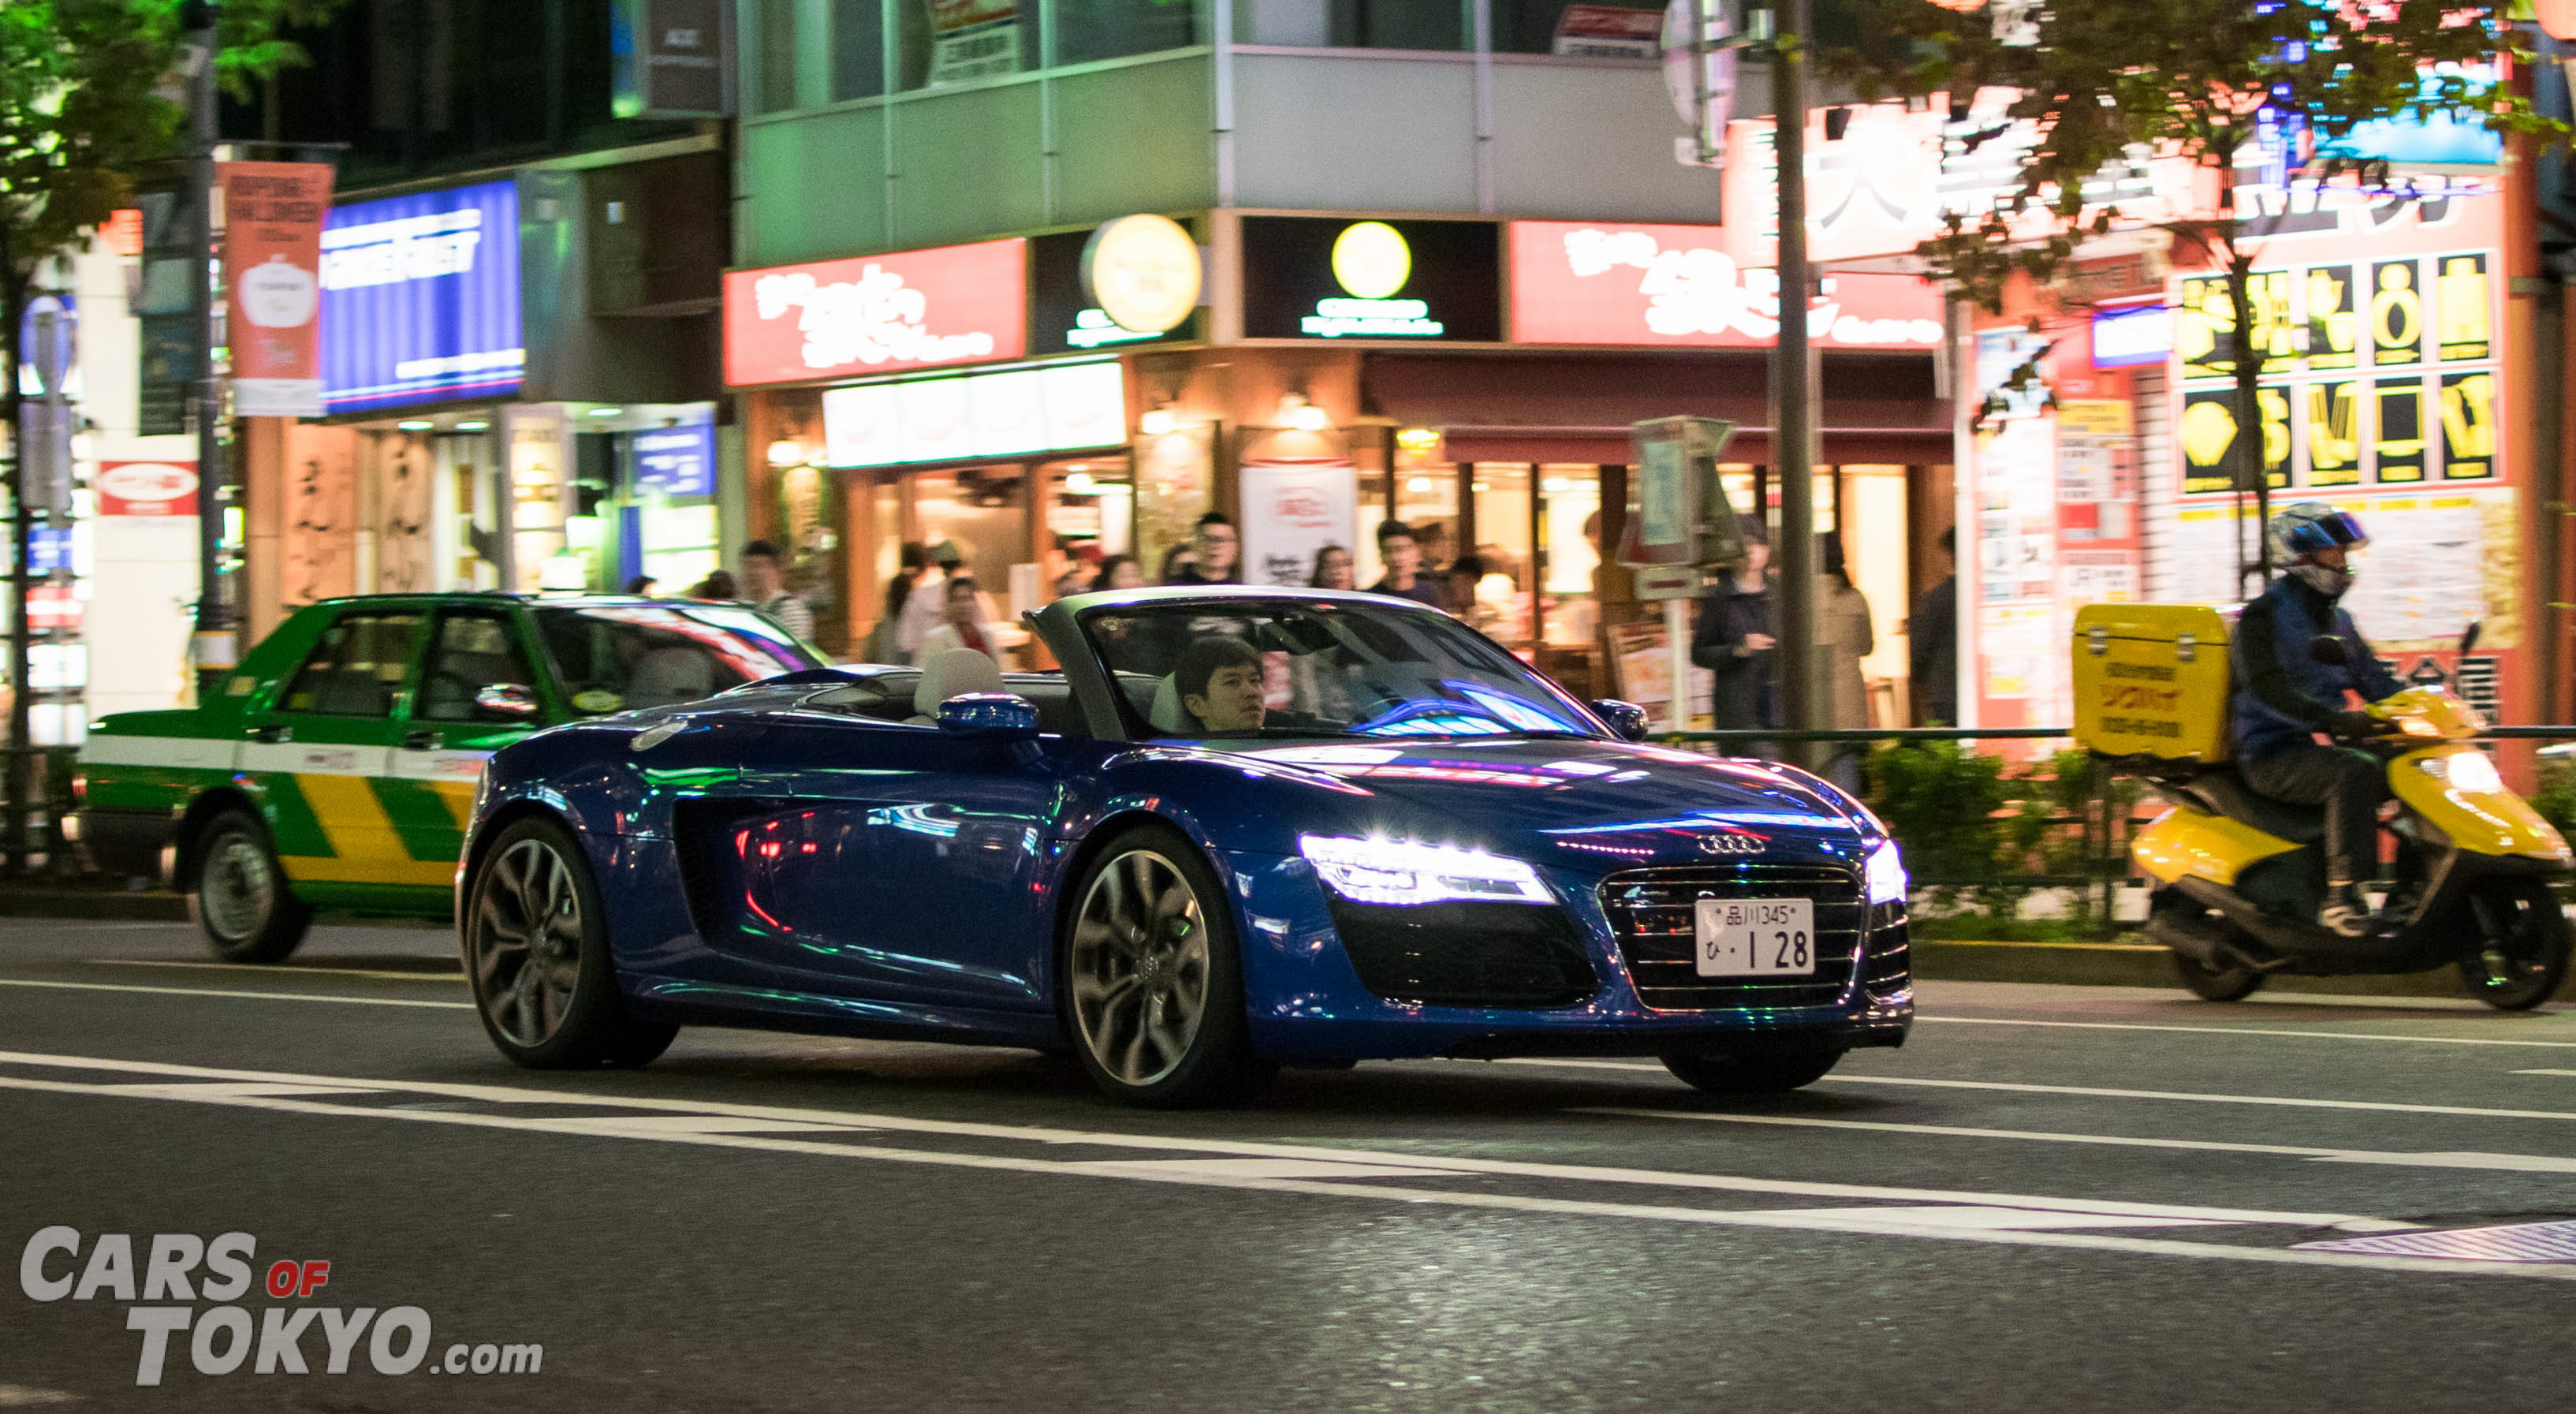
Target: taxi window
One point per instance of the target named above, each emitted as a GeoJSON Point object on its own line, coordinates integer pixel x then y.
{"type": "Point", "coordinates": [473, 651]}
{"type": "Point", "coordinates": [357, 667]}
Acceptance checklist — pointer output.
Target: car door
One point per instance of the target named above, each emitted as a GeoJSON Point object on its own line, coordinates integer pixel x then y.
{"type": "Point", "coordinates": [319, 748]}
{"type": "Point", "coordinates": [891, 861]}
{"type": "Point", "coordinates": [476, 692]}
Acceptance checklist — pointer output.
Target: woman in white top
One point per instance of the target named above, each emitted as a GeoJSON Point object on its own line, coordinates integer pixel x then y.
{"type": "Point", "coordinates": [963, 625]}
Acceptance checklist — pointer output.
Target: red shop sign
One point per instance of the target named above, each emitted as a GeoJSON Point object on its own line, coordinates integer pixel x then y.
{"type": "Point", "coordinates": [877, 313]}
{"type": "Point", "coordinates": [1583, 282]}
{"type": "Point", "coordinates": [147, 488]}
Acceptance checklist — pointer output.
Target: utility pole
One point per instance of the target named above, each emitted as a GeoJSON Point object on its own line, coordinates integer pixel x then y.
{"type": "Point", "coordinates": [213, 644]}
{"type": "Point", "coordinates": [1793, 439]}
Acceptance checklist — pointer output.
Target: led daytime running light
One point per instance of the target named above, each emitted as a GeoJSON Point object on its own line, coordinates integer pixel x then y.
{"type": "Point", "coordinates": [1886, 874]}
{"type": "Point", "coordinates": [1399, 872]}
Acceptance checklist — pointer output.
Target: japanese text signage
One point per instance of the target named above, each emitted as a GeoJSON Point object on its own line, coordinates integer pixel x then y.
{"type": "Point", "coordinates": [273, 214]}
{"type": "Point", "coordinates": [876, 314]}
{"type": "Point", "coordinates": [680, 461]}
{"type": "Point", "coordinates": [1585, 283]}
{"type": "Point", "coordinates": [420, 299]}
{"type": "Point", "coordinates": [1307, 277]}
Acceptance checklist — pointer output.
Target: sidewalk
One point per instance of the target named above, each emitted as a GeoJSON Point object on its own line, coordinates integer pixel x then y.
{"type": "Point", "coordinates": [2146, 965]}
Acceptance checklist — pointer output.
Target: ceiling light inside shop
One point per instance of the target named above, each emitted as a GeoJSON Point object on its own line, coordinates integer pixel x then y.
{"type": "Point", "coordinates": [1418, 439]}
{"type": "Point", "coordinates": [415, 425]}
{"type": "Point", "coordinates": [1157, 422]}
{"type": "Point", "coordinates": [1418, 485]}
{"type": "Point", "coordinates": [606, 412]}
{"type": "Point", "coordinates": [472, 426]}
{"type": "Point", "coordinates": [786, 451]}
{"type": "Point", "coordinates": [1295, 411]}
{"type": "Point", "coordinates": [1079, 483]}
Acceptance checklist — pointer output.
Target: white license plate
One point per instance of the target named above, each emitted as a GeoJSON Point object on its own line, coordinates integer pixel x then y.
{"type": "Point", "coordinates": [1756, 937]}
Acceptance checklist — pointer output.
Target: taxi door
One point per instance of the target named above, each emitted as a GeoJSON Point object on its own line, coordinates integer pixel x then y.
{"type": "Point", "coordinates": [317, 749]}
{"type": "Point", "coordinates": [477, 692]}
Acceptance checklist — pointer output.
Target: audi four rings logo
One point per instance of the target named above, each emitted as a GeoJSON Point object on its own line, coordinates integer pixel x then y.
{"type": "Point", "coordinates": [1730, 844]}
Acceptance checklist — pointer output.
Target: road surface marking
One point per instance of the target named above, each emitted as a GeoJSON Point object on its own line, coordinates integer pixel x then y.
{"type": "Point", "coordinates": [1986, 1219]}
{"type": "Point", "coordinates": [2243, 1031]}
{"type": "Point", "coordinates": [457, 975]}
{"type": "Point", "coordinates": [2110, 1093]}
{"type": "Point", "coordinates": [1309, 1153]}
{"type": "Point", "coordinates": [2449, 1159]}
{"type": "Point", "coordinates": [1864, 1222]}
{"type": "Point", "coordinates": [1254, 1168]}
{"type": "Point", "coordinates": [229, 992]}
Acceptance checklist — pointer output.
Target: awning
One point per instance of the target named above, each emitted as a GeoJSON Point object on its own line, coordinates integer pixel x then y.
{"type": "Point", "coordinates": [1878, 408]}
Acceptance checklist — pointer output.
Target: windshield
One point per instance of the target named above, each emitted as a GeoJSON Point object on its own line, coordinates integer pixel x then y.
{"type": "Point", "coordinates": [612, 657]}
{"type": "Point", "coordinates": [1319, 668]}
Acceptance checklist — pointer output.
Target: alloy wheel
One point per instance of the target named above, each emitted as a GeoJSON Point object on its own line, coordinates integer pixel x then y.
{"type": "Point", "coordinates": [527, 941]}
{"type": "Point", "coordinates": [237, 887]}
{"type": "Point", "coordinates": [1139, 962]}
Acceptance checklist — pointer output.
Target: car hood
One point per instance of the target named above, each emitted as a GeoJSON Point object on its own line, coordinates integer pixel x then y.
{"type": "Point", "coordinates": [1597, 804]}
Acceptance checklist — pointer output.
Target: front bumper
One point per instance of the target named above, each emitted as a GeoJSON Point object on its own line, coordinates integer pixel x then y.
{"type": "Point", "coordinates": [1306, 1001]}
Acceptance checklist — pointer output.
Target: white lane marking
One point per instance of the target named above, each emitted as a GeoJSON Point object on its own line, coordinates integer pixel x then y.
{"type": "Point", "coordinates": [223, 1089]}
{"type": "Point", "coordinates": [2111, 1093]}
{"type": "Point", "coordinates": [28, 1396]}
{"type": "Point", "coordinates": [656, 1125]}
{"type": "Point", "coordinates": [1254, 1168]}
{"type": "Point", "coordinates": [2244, 1031]}
{"type": "Point", "coordinates": [457, 976]}
{"type": "Point", "coordinates": [2451, 1159]}
{"type": "Point", "coordinates": [1985, 1219]}
{"type": "Point", "coordinates": [1835, 1220]}
{"type": "Point", "coordinates": [1580, 1173]}
{"type": "Point", "coordinates": [229, 992]}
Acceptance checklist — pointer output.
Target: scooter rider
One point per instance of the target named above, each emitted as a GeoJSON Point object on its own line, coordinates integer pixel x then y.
{"type": "Point", "coordinates": [2283, 697]}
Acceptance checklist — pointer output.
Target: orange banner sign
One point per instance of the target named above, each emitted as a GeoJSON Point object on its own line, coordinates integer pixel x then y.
{"type": "Point", "coordinates": [272, 258]}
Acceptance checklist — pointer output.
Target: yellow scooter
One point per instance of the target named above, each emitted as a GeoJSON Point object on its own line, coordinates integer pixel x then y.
{"type": "Point", "coordinates": [2239, 878]}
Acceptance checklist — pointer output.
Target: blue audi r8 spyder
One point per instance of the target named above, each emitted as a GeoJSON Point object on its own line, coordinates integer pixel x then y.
{"type": "Point", "coordinates": [1238, 829]}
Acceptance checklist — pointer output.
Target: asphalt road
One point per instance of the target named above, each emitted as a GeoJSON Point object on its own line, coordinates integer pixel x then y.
{"type": "Point", "coordinates": [2055, 1198]}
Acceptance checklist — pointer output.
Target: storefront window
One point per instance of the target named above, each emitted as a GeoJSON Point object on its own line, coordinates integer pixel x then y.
{"type": "Point", "coordinates": [1109, 29]}
{"type": "Point", "coordinates": [1499, 601]}
{"type": "Point", "coordinates": [1090, 520]}
{"type": "Point", "coordinates": [1354, 24]}
{"type": "Point", "coordinates": [858, 49]}
{"type": "Point", "coordinates": [777, 55]}
{"type": "Point", "coordinates": [1426, 499]}
{"type": "Point", "coordinates": [1570, 526]}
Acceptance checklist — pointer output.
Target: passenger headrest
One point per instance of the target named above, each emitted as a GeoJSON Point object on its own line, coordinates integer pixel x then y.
{"type": "Point", "coordinates": [951, 673]}
{"type": "Point", "coordinates": [1167, 714]}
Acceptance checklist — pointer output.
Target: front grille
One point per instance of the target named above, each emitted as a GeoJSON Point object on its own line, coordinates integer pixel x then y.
{"type": "Point", "coordinates": [1513, 955]}
{"type": "Point", "coordinates": [1653, 914]}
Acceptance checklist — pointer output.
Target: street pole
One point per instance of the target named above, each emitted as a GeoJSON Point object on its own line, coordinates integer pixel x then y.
{"type": "Point", "coordinates": [213, 644]}
{"type": "Point", "coordinates": [1792, 382]}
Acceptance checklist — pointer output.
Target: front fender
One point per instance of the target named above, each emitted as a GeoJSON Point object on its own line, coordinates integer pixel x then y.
{"type": "Point", "coordinates": [2480, 821]}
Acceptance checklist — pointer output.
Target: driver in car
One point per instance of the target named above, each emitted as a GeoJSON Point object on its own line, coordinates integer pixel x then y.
{"type": "Point", "coordinates": [2284, 696]}
{"type": "Point", "coordinates": [1219, 684]}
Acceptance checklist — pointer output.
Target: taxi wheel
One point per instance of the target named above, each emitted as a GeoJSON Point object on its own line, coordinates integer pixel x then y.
{"type": "Point", "coordinates": [536, 954]}
{"type": "Point", "coordinates": [1153, 992]}
{"type": "Point", "coordinates": [1753, 1073]}
{"type": "Point", "coordinates": [238, 894]}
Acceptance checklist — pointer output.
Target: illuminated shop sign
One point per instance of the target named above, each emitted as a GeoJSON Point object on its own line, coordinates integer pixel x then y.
{"type": "Point", "coordinates": [1579, 282]}
{"type": "Point", "coordinates": [1063, 316]}
{"type": "Point", "coordinates": [2128, 338]}
{"type": "Point", "coordinates": [680, 461]}
{"type": "Point", "coordinates": [1023, 411]}
{"type": "Point", "coordinates": [420, 298]}
{"type": "Point", "coordinates": [877, 313]}
{"type": "Point", "coordinates": [1310, 277]}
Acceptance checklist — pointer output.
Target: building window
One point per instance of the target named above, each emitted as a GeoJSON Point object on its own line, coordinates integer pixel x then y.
{"type": "Point", "coordinates": [858, 49]}
{"type": "Point", "coordinates": [1530, 27]}
{"type": "Point", "coordinates": [777, 55]}
{"type": "Point", "coordinates": [1354, 24]}
{"type": "Point", "coordinates": [1109, 29]}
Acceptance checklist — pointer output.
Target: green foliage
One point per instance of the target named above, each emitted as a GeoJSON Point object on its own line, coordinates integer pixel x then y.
{"type": "Point", "coordinates": [1975, 830]}
{"type": "Point", "coordinates": [2556, 797]}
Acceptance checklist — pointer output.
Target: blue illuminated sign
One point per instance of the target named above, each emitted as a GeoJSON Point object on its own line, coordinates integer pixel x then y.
{"type": "Point", "coordinates": [680, 460]}
{"type": "Point", "coordinates": [2128, 338]}
{"type": "Point", "coordinates": [420, 299]}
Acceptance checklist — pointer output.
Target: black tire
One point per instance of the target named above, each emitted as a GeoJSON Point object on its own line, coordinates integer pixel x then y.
{"type": "Point", "coordinates": [1754, 1072]}
{"type": "Point", "coordinates": [2522, 943]}
{"type": "Point", "coordinates": [535, 940]}
{"type": "Point", "coordinates": [1129, 976]}
{"type": "Point", "coordinates": [2217, 984]}
{"type": "Point", "coordinates": [239, 895]}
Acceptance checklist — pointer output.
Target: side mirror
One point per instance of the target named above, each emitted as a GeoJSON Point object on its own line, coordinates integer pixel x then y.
{"type": "Point", "coordinates": [990, 714]}
{"type": "Point", "coordinates": [2469, 640]}
{"type": "Point", "coordinates": [2330, 651]}
{"type": "Point", "coordinates": [506, 702]}
{"type": "Point", "coordinates": [1626, 718]}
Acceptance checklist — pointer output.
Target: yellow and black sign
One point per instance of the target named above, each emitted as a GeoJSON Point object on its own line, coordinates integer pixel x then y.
{"type": "Point", "coordinates": [2209, 429]}
{"type": "Point", "coordinates": [2397, 429]}
{"type": "Point", "coordinates": [2396, 313]}
{"type": "Point", "coordinates": [2205, 324]}
{"type": "Point", "coordinates": [2334, 323]}
{"type": "Point", "coordinates": [2468, 426]}
{"type": "Point", "coordinates": [2333, 426]}
{"type": "Point", "coordinates": [2467, 329]}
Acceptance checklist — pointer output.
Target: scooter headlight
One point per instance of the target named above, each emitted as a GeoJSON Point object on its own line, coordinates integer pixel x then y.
{"type": "Point", "coordinates": [2467, 771]}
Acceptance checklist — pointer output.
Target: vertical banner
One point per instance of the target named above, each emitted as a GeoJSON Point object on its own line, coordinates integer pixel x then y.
{"type": "Point", "coordinates": [273, 213]}
{"type": "Point", "coordinates": [1293, 508]}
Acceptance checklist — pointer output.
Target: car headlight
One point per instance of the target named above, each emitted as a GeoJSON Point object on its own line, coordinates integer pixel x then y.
{"type": "Point", "coordinates": [1389, 871]}
{"type": "Point", "coordinates": [2468, 771]}
{"type": "Point", "coordinates": [1886, 874]}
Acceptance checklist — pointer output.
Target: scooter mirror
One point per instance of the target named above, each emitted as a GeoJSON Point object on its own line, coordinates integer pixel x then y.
{"type": "Point", "coordinates": [2330, 651]}
{"type": "Point", "coordinates": [2469, 639]}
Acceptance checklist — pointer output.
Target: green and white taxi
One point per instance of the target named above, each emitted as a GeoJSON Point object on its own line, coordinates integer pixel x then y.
{"type": "Point", "coordinates": [337, 769]}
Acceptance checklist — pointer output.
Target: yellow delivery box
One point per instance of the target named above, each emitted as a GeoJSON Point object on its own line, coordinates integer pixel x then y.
{"type": "Point", "coordinates": [2151, 680]}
